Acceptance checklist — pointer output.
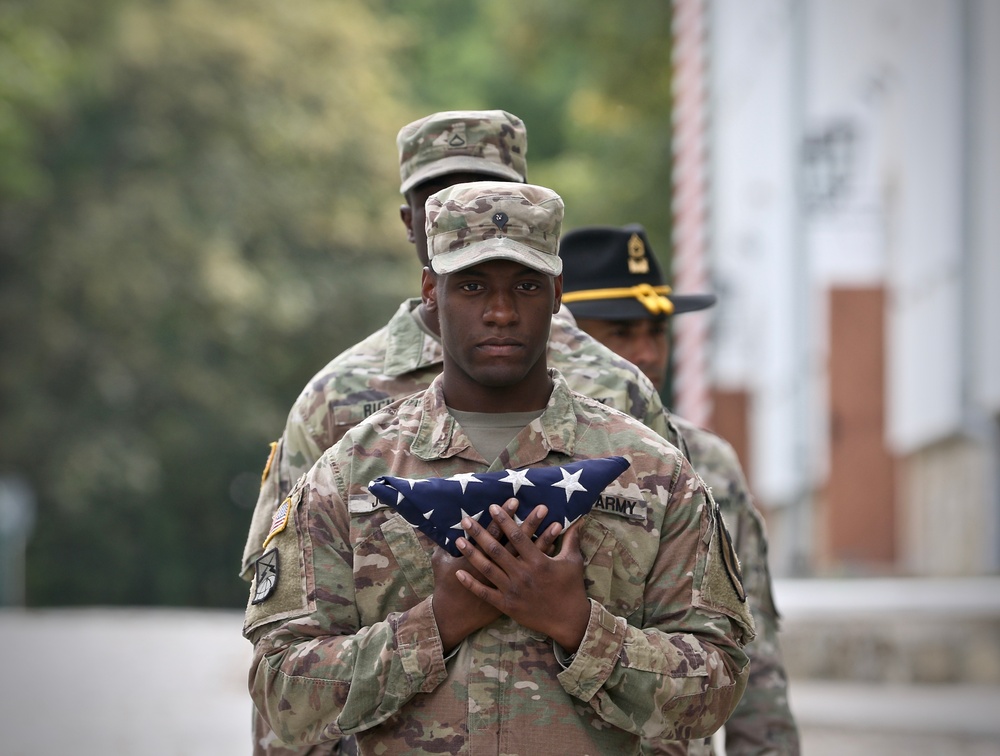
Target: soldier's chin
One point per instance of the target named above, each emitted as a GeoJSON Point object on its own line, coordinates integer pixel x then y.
{"type": "Point", "coordinates": [500, 380]}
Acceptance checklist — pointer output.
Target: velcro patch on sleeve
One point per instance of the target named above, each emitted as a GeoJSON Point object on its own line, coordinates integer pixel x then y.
{"type": "Point", "coordinates": [278, 589]}
{"type": "Point", "coordinates": [270, 461]}
{"type": "Point", "coordinates": [718, 579]}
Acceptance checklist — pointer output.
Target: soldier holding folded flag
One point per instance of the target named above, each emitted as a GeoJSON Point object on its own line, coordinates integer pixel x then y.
{"type": "Point", "coordinates": [629, 623]}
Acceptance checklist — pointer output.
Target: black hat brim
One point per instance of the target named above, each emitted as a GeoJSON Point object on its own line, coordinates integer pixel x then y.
{"type": "Point", "coordinates": [629, 308]}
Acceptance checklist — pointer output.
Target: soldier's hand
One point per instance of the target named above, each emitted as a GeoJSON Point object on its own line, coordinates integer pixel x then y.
{"type": "Point", "coordinates": [457, 611]}
{"type": "Point", "coordinates": [542, 592]}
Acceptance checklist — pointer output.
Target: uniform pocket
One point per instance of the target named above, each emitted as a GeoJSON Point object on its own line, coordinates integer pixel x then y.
{"type": "Point", "coordinates": [392, 565]}
{"type": "Point", "coordinates": [613, 576]}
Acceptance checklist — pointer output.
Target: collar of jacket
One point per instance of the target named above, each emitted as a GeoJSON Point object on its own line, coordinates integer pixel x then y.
{"type": "Point", "coordinates": [408, 347]}
{"type": "Point", "coordinates": [440, 437]}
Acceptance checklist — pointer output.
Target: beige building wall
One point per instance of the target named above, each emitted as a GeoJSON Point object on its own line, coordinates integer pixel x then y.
{"type": "Point", "coordinates": [946, 529]}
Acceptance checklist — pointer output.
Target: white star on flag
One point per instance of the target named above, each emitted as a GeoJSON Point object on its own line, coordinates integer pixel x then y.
{"type": "Point", "coordinates": [465, 479]}
{"type": "Point", "coordinates": [517, 478]}
{"type": "Point", "coordinates": [570, 482]}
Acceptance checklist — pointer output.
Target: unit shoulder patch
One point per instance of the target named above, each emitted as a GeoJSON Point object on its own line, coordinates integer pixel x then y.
{"type": "Point", "coordinates": [266, 576]}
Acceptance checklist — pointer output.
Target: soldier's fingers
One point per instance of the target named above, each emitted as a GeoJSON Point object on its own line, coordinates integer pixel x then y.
{"type": "Point", "coordinates": [571, 541]}
{"type": "Point", "coordinates": [489, 546]}
{"type": "Point", "coordinates": [484, 592]}
{"type": "Point", "coordinates": [546, 541]}
{"type": "Point", "coordinates": [478, 558]}
{"type": "Point", "coordinates": [522, 543]}
{"type": "Point", "coordinates": [529, 526]}
{"type": "Point", "coordinates": [494, 527]}
{"type": "Point", "coordinates": [534, 520]}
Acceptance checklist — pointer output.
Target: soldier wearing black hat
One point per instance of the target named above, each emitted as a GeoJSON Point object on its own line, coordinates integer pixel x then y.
{"type": "Point", "coordinates": [616, 292]}
{"type": "Point", "coordinates": [613, 286]}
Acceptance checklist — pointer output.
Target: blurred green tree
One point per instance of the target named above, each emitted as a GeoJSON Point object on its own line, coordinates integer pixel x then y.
{"type": "Point", "coordinates": [591, 79]}
{"type": "Point", "coordinates": [198, 211]}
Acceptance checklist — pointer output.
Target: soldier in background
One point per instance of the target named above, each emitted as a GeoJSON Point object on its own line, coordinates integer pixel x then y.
{"type": "Point", "coordinates": [405, 355]}
{"type": "Point", "coordinates": [634, 626]}
{"type": "Point", "coordinates": [614, 288]}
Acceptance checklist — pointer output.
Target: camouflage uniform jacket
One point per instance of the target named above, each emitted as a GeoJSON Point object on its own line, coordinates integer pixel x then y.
{"type": "Point", "coordinates": [347, 643]}
{"type": "Point", "coordinates": [762, 723]}
{"type": "Point", "coordinates": [400, 359]}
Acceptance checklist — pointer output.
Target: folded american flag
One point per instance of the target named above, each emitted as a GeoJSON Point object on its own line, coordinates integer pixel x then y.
{"type": "Point", "coordinates": [436, 506]}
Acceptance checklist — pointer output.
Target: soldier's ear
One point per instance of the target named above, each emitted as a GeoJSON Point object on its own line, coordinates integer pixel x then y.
{"type": "Point", "coordinates": [428, 289]}
{"type": "Point", "coordinates": [406, 215]}
{"type": "Point", "coordinates": [557, 284]}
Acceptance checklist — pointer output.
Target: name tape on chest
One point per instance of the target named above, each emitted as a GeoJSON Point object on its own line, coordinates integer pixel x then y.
{"type": "Point", "coordinates": [621, 506]}
{"type": "Point", "coordinates": [352, 414]}
{"type": "Point", "coordinates": [363, 504]}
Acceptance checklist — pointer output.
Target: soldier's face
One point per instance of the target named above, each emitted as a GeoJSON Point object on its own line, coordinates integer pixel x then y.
{"type": "Point", "coordinates": [412, 213]}
{"type": "Point", "coordinates": [644, 343]}
{"type": "Point", "coordinates": [494, 320]}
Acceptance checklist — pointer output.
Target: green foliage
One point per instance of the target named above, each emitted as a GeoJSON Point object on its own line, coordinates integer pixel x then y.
{"type": "Point", "coordinates": [194, 226]}
{"type": "Point", "coordinates": [199, 208]}
{"type": "Point", "coordinates": [591, 79]}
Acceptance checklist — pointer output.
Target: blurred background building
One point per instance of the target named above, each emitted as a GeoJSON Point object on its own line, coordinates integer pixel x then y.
{"type": "Point", "coordinates": [853, 153]}
{"type": "Point", "coordinates": [855, 245]}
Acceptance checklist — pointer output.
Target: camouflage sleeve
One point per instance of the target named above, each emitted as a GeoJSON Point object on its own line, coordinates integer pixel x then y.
{"type": "Point", "coordinates": [681, 672]}
{"type": "Point", "coordinates": [762, 722]}
{"type": "Point", "coordinates": [310, 651]}
{"type": "Point", "coordinates": [305, 437]}
{"type": "Point", "coordinates": [294, 453]}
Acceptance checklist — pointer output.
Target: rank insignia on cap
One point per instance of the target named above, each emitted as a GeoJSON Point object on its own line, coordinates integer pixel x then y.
{"type": "Point", "coordinates": [265, 576]}
{"type": "Point", "coordinates": [270, 461]}
{"type": "Point", "coordinates": [279, 521]}
{"type": "Point", "coordinates": [637, 262]}
{"type": "Point", "coordinates": [500, 220]}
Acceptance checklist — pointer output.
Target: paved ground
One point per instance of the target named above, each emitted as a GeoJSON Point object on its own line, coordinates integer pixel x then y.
{"type": "Point", "coordinates": [122, 682]}
{"type": "Point", "coordinates": [161, 682]}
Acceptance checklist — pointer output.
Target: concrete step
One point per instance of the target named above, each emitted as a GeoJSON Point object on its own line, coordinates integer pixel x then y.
{"type": "Point", "coordinates": [914, 709]}
{"type": "Point", "coordinates": [892, 631]}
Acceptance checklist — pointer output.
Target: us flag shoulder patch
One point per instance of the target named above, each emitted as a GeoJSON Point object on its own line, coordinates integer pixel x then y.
{"type": "Point", "coordinates": [279, 522]}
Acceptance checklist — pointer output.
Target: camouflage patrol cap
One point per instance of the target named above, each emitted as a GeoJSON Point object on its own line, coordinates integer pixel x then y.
{"type": "Point", "coordinates": [491, 142]}
{"type": "Point", "coordinates": [490, 220]}
{"type": "Point", "coordinates": [612, 274]}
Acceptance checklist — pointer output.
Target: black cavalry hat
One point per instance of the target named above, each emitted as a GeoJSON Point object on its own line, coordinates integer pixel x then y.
{"type": "Point", "coordinates": [611, 273]}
